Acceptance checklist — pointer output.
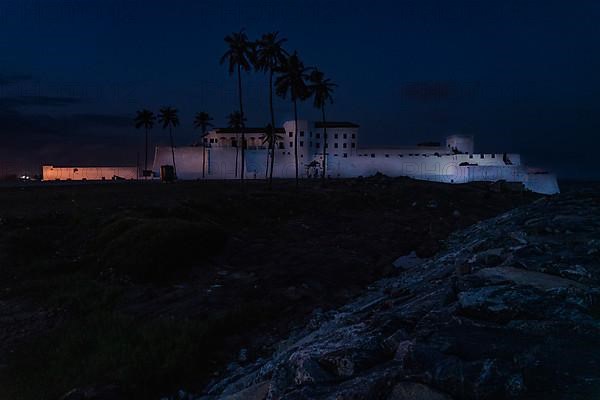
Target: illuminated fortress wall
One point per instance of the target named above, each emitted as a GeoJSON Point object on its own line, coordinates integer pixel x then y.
{"type": "Point", "coordinates": [52, 173]}
{"type": "Point", "coordinates": [452, 162]}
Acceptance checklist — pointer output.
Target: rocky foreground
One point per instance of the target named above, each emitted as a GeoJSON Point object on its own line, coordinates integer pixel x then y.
{"type": "Point", "coordinates": [511, 309]}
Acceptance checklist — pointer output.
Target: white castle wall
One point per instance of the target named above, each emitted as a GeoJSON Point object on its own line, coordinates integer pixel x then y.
{"type": "Point", "coordinates": [434, 163]}
{"type": "Point", "coordinates": [220, 163]}
{"type": "Point", "coordinates": [188, 161]}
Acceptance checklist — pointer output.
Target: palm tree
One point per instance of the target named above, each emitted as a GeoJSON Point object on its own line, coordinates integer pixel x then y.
{"type": "Point", "coordinates": [235, 120]}
{"type": "Point", "coordinates": [145, 118]}
{"type": "Point", "coordinates": [271, 138]}
{"type": "Point", "coordinates": [270, 55]}
{"type": "Point", "coordinates": [322, 90]}
{"type": "Point", "coordinates": [202, 122]}
{"type": "Point", "coordinates": [167, 116]}
{"type": "Point", "coordinates": [239, 57]}
{"type": "Point", "coordinates": [292, 79]}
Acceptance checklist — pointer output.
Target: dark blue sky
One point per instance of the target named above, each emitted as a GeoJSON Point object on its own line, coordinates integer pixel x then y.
{"type": "Point", "coordinates": [522, 76]}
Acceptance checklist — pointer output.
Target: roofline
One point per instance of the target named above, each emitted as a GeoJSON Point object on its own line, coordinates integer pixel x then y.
{"type": "Point", "coordinates": [88, 166]}
{"type": "Point", "coordinates": [336, 124]}
{"type": "Point", "coordinates": [246, 130]}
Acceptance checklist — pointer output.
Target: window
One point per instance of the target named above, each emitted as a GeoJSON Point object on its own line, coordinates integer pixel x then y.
{"type": "Point", "coordinates": [317, 145]}
{"type": "Point", "coordinates": [373, 155]}
{"type": "Point", "coordinates": [353, 145]}
{"type": "Point", "coordinates": [318, 135]}
{"type": "Point", "coordinates": [291, 144]}
{"type": "Point", "coordinates": [335, 155]}
{"type": "Point", "coordinates": [291, 134]}
{"type": "Point", "coordinates": [345, 136]}
{"type": "Point", "coordinates": [481, 156]}
{"type": "Point", "coordinates": [470, 155]}
{"type": "Point", "coordinates": [345, 145]}
{"type": "Point", "coordinates": [493, 156]}
{"type": "Point", "coordinates": [310, 134]}
{"type": "Point", "coordinates": [281, 145]}
{"type": "Point", "coordinates": [326, 145]}
{"type": "Point", "coordinates": [335, 136]}
{"type": "Point", "coordinates": [335, 145]}
{"type": "Point", "coordinates": [301, 143]}
{"type": "Point", "coordinates": [354, 136]}
{"type": "Point", "coordinates": [345, 155]}
{"type": "Point", "coordinates": [302, 133]}
{"type": "Point", "coordinates": [387, 156]}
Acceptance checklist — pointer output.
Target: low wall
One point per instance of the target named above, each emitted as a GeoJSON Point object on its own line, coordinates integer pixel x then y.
{"type": "Point", "coordinates": [51, 173]}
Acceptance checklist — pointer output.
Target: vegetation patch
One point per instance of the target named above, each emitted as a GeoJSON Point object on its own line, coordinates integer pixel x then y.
{"type": "Point", "coordinates": [157, 249]}
{"type": "Point", "coordinates": [143, 357]}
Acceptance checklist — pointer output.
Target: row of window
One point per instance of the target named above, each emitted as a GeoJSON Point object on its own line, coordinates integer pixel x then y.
{"type": "Point", "coordinates": [345, 155]}
{"type": "Point", "coordinates": [252, 139]}
{"type": "Point", "coordinates": [400, 155]}
{"type": "Point", "coordinates": [481, 156]}
{"type": "Point", "coordinates": [318, 145]}
{"type": "Point", "coordinates": [318, 135]}
{"type": "Point", "coordinates": [223, 139]}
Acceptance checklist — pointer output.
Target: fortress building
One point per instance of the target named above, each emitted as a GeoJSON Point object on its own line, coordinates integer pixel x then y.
{"type": "Point", "coordinates": [453, 161]}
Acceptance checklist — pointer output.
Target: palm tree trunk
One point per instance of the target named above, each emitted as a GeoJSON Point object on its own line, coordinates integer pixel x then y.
{"type": "Point", "coordinates": [146, 160]}
{"type": "Point", "coordinates": [203, 154]}
{"type": "Point", "coordinates": [237, 150]}
{"type": "Point", "coordinates": [324, 143]}
{"type": "Point", "coordinates": [296, 138]}
{"type": "Point", "coordinates": [173, 151]}
{"type": "Point", "coordinates": [272, 142]}
{"type": "Point", "coordinates": [243, 124]}
{"type": "Point", "coordinates": [267, 167]}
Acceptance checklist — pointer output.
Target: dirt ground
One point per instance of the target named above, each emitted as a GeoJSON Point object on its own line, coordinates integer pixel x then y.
{"type": "Point", "coordinates": [140, 289]}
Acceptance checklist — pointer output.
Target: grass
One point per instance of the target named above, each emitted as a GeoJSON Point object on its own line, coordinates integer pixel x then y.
{"type": "Point", "coordinates": [145, 357]}
{"type": "Point", "coordinates": [157, 250]}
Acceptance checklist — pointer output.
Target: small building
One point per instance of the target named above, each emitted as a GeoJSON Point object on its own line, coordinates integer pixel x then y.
{"type": "Point", "coordinates": [69, 173]}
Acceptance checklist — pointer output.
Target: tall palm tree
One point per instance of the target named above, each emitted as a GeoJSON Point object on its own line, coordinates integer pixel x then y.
{"type": "Point", "coordinates": [202, 122]}
{"type": "Point", "coordinates": [145, 118]}
{"type": "Point", "coordinates": [239, 57]}
{"type": "Point", "coordinates": [271, 138]}
{"type": "Point", "coordinates": [292, 80]}
{"type": "Point", "coordinates": [270, 55]}
{"type": "Point", "coordinates": [322, 90]}
{"type": "Point", "coordinates": [235, 120]}
{"type": "Point", "coordinates": [167, 116]}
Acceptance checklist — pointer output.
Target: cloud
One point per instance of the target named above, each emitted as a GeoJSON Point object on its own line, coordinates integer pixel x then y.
{"type": "Point", "coordinates": [14, 79]}
{"type": "Point", "coordinates": [435, 91]}
{"type": "Point", "coordinates": [103, 120]}
{"type": "Point", "coordinates": [17, 126]}
{"type": "Point", "coordinates": [11, 102]}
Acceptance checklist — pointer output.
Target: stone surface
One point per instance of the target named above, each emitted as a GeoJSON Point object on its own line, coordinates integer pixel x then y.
{"type": "Point", "coordinates": [510, 309]}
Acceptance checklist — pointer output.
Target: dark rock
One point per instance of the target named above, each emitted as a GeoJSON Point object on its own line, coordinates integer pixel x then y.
{"type": "Point", "coordinates": [415, 391]}
{"type": "Point", "coordinates": [506, 311]}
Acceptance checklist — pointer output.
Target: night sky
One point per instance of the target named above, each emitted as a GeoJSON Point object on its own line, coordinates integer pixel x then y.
{"type": "Point", "coordinates": [522, 76]}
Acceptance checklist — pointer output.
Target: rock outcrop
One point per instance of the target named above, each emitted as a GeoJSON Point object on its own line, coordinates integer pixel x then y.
{"type": "Point", "coordinates": [511, 309]}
